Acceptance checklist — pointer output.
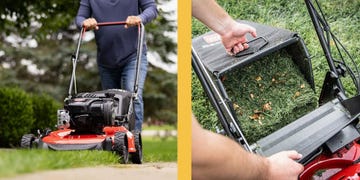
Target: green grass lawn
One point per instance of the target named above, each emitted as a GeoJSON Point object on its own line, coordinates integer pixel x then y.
{"type": "Point", "coordinates": [19, 161]}
{"type": "Point", "coordinates": [160, 149]}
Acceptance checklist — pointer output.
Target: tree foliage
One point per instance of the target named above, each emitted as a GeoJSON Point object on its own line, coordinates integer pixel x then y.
{"type": "Point", "coordinates": [159, 95]}
{"type": "Point", "coordinates": [18, 15]}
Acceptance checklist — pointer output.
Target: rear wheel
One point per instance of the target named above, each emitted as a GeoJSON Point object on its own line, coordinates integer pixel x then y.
{"type": "Point", "coordinates": [27, 141]}
{"type": "Point", "coordinates": [121, 147]}
{"type": "Point", "coordinates": [137, 156]}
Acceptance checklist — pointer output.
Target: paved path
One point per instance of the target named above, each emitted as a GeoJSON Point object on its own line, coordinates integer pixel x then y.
{"type": "Point", "coordinates": [147, 171]}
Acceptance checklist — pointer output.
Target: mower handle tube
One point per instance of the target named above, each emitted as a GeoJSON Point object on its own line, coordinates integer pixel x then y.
{"type": "Point", "coordinates": [317, 22]}
{"type": "Point", "coordinates": [74, 59]}
{"type": "Point", "coordinates": [231, 127]}
{"type": "Point", "coordinates": [141, 32]}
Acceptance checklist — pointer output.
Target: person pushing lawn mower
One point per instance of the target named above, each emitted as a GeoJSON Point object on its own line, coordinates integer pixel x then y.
{"type": "Point", "coordinates": [101, 120]}
{"type": "Point", "coordinates": [110, 119]}
{"type": "Point", "coordinates": [116, 45]}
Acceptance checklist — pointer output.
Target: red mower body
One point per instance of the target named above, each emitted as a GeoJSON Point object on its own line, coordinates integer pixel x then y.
{"type": "Point", "coordinates": [65, 140]}
{"type": "Point", "coordinates": [116, 139]}
{"type": "Point", "coordinates": [340, 165]}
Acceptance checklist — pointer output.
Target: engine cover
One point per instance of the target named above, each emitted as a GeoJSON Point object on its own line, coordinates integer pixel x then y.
{"type": "Point", "coordinates": [91, 112]}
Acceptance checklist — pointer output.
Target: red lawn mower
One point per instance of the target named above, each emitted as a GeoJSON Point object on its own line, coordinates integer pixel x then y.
{"type": "Point", "coordinates": [101, 120]}
{"type": "Point", "coordinates": [327, 137]}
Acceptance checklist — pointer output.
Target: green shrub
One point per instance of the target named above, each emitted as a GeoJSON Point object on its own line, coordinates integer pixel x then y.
{"type": "Point", "coordinates": [45, 112]}
{"type": "Point", "coordinates": [16, 116]}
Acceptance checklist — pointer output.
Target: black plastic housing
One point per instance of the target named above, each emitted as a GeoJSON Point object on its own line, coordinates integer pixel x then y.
{"type": "Point", "coordinates": [90, 112]}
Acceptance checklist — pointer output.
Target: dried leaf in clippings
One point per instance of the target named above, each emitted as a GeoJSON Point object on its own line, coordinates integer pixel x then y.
{"type": "Point", "coordinates": [297, 94]}
{"type": "Point", "coordinates": [255, 116]}
{"type": "Point", "coordinates": [237, 109]}
{"type": "Point", "coordinates": [252, 95]}
{"type": "Point", "coordinates": [267, 106]}
{"type": "Point", "coordinates": [302, 86]}
{"type": "Point", "coordinates": [257, 111]}
{"type": "Point", "coordinates": [236, 106]}
{"type": "Point", "coordinates": [258, 78]}
{"type": "Point", "coordinates": [223, 78]}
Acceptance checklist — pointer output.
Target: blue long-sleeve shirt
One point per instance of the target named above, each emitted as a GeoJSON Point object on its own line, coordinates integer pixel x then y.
{"type": "Point", "coordinates": [115, 44]}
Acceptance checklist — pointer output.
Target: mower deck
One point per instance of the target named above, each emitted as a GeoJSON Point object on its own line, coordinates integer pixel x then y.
{"type": "Point", "coordinates": [67, 139]}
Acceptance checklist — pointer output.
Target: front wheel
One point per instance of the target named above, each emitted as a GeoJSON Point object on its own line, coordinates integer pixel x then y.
{"type": "Point", "coordinates": [27, 141]}
{"type": "Point", "coordinates": [121, 147]}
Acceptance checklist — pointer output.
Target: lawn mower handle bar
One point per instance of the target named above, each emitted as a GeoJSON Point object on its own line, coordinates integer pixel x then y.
{"type": "Point", "coordinates": [74, 58]}
{"type": "Point", "coordinates": [221, 105]}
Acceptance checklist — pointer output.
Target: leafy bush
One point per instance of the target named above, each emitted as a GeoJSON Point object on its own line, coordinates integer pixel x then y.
{"type": "Point", "coordinates": [160, 97]}
{"type": "Point", "coordinates": [22, 113]}
{"type": "Point", "coordinates": [45, 108]}
{"type": "Point", "coordinates": [16, 115]}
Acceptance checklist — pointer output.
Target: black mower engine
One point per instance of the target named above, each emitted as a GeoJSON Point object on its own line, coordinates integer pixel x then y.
{"type": "Point", "coordinates": [91, 112]}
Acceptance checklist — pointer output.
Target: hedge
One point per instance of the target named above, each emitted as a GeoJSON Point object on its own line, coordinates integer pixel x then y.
{"type": "Point", "coordinates": [16, 116]}
{"type": "Point", "coordinates": [22, 113]}
{"type": "Point", "coordinates": [45, 112]}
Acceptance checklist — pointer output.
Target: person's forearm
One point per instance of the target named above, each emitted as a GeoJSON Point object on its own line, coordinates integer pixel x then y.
{"type": "Point", "coordinates": [211, 14]}
{"type": "Point", "coordinates": [149, 11]}
{"type": "Point", "coordinates": [82, 14]}
{"type": "Point", "coordinates": [217, 157]}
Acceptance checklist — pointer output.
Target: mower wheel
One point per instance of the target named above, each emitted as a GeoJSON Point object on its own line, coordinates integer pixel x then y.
{"type": "Point", "coordinates": [121, 147]}
{"type": "Point", "coordinates": [27, 141]}
{"type": "Point", "coordinates": [137, 156]}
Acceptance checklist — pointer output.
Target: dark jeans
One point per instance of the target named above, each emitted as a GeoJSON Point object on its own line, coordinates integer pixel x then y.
{"type": "Point", "coordinates": [124, 78]}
